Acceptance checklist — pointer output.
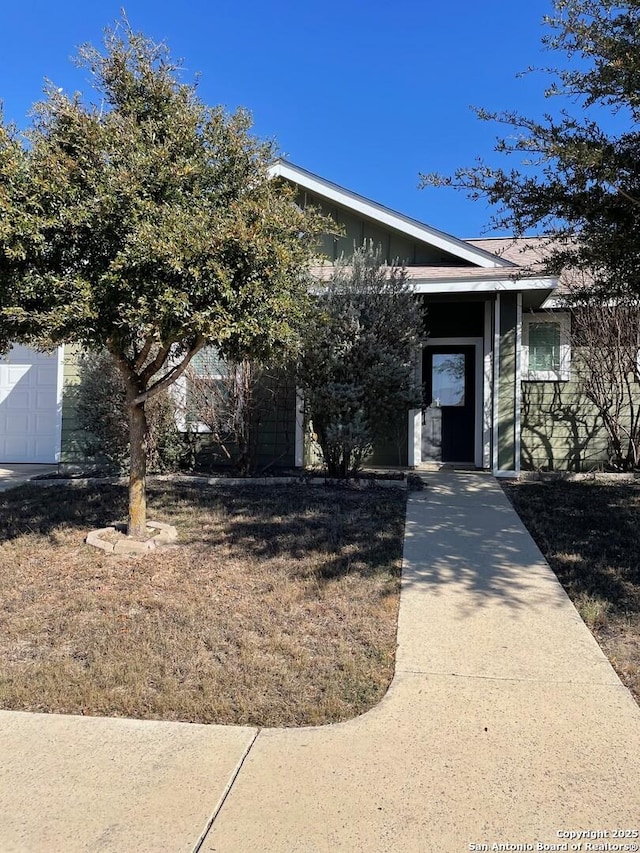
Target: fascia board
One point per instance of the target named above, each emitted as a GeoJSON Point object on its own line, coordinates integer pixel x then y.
{"type": "Point", "coordinates": [385, 216]}
{"type": "Point", "coordinates": [482, 286]}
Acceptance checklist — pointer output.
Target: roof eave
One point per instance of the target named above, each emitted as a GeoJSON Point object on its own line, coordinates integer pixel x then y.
{"type": "Point", "coordinates": [384, 215]}
{"type": "Point", "coordinates": [497, 285]}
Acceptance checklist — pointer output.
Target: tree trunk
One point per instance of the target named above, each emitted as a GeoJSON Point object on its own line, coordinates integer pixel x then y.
{"type": "Point", "coordinates": [137, 526]}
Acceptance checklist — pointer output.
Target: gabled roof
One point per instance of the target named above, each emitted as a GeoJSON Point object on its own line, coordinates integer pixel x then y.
{"type": "Point", "coordinates": [525, 252]}
{"type": "Point", "coordinates": [488, 265]}
{"type": "Point", "coordinates": [465, 250]}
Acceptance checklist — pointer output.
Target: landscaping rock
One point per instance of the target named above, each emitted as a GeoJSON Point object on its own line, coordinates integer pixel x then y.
{"type": "Point", "coordinates": [165, 536]}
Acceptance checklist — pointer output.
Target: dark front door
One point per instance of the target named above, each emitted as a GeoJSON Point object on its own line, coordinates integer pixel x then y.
{"type": "Point", "coordinates": [450, 387]}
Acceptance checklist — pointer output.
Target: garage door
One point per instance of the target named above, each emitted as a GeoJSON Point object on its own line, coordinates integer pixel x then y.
{"type": "Point", "coordinates": [29, 424]}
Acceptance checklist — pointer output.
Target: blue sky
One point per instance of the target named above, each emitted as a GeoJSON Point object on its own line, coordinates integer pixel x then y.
{"type": "Point", "coordinates": [366, 94]}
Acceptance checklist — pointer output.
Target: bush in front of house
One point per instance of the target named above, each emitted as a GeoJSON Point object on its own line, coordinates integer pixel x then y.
{"type": "Point", "coordinates": [102, 419]}
{"type": "Point", "coordinates": [357, 366]}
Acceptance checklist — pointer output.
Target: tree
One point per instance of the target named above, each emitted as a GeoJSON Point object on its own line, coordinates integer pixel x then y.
{"type": "Point", "coordinates": [356, 368]}
{"type": "Point", "coordinates": [103, 429]}
{"type": "Point", "coordinates": [233, 400]}
{"type": "Point", "coordinates": [579, 176]}
{"type": "Point", "coordinates": [150, 229]}
{"type": "Point", "coordinates": [606, 339]}
{"type": "Point", "coordinates": [17, 228]}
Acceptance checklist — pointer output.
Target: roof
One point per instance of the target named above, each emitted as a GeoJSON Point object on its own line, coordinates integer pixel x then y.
{"type": "Point", "coordinates": [385, 216]}
{"type": "Point", "coordinates": [525, 252]}
{"type": "Point", "coordinates": [497, 264]}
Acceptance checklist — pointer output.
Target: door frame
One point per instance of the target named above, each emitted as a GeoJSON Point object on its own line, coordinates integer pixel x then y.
{"type": "Point", "coordinates": [415, 422]}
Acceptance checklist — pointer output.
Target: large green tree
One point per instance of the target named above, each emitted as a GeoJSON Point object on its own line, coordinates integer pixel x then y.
{"type": "Point", "coordinates": [18, 230]}
{"type": "Point", "coordinates": [147, 225]}
{"type": "Point", "coordinates": [577, 175]}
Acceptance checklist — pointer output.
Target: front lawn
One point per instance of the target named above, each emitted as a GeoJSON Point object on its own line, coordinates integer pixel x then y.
{"type": "Point", "coordinates": [590, 534]}
{"type": "Point", "coordinates": [278, 606]}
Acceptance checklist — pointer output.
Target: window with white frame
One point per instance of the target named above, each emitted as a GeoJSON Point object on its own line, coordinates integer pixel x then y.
{"type": "Point", "coordinates": [197, 389]}
{"type": "Point", "coordinates": [546, 349]}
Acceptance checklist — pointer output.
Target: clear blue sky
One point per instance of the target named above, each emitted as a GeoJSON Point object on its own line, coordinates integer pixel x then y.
{"type": "Point", "coordinates": [366, 94]}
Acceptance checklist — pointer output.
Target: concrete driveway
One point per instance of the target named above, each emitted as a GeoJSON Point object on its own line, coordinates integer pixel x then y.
{"type": "Point", "coordinates": [14, 475]}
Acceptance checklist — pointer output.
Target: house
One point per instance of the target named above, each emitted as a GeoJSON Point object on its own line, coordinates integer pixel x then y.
{"type": "Point", "coordinates": [496, 365]}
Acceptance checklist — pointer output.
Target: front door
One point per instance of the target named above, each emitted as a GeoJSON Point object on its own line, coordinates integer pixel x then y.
{"type": "Point", "coordinates": [450, 388]}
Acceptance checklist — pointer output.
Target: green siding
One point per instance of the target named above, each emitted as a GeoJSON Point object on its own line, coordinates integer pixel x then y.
{"type": "Point", "coordinates": [71, 444]}
{"type": "Point", "coordinates": [395, 245]}
{"type": "Point", "coordinates": [561, 429]}
{"type": "Point", "coordinates": [394, 451]}
{"type": "Point", "coordinates": [274, 428]}
{"type": "Point", "coordinates": [507, 383]}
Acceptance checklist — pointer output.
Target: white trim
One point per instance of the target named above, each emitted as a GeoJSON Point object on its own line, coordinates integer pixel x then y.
{"type": "Point", "coordinates": [59, 396]}
{"type": "Point", "coordinates": [414, 440]}
{"type": "Point", "coordinates": [561, 319]}
{"type": "Point", "coordinates": [518, 388]}
{"type": "Point", "coordinates": [299, 434]}
{"type": "Point", "coordinates": [473, 285]}
{"type": "Point", "coordinates": [496, 379]}
{"type": "Point", "coordinates": [488, 384]}
{"type": "Point", "coordinates": [478, 423]}
{"type": "Point", "coordinates": [506, 474]}
{"type": "Point", "coordinates": [383, 215]}
{"type": "Point", "coordinates": [179, 390]}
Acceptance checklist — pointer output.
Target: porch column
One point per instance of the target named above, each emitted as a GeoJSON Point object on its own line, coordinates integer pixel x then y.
{"type": "Point", "coordinates": [506, 384]}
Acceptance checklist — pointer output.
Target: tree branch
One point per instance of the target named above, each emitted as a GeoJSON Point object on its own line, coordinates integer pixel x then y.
{"type": "Point", "coordinates": [174, 373]}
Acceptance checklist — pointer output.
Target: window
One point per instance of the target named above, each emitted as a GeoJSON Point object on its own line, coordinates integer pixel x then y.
{"type": "Point", "coordinates": [447, 379]}
{"type": "Point", "coordinates": [546, 353]}
{"type": "Point", "coordinates": [197, 390]}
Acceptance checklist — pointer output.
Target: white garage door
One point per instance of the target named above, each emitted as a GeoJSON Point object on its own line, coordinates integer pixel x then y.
{"type": "Point", "coordinates": [29, 422]}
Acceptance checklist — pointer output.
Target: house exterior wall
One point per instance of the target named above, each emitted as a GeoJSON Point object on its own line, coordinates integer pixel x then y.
{"type": "Point", "coordinates": [276, 430]}
{"type": "Point", "coordinates": [505, 407]}
{"type": "Point", "coordinates": [71, 441]}
{"type": "Point", "coordinates": [561, 429]}
{"type": "Point", "coordinates": [358, 229]}
{"type": "Point", "coordinates": [394, 451]}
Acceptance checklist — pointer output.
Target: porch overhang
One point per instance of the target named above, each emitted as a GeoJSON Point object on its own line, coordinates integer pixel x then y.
{"type": "Point", "coordinates": [535, 291]}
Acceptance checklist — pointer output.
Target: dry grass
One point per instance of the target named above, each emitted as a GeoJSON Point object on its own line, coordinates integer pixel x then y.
{"type": "Point", "coordinates": [278, 607]}
{"type": "Point", "coordinates": [590, 534]}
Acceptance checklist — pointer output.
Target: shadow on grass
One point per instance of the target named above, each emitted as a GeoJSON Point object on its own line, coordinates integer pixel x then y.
{"type": "Point", "coordinates": [350, 530]}
{"type": "Point", "coordinates": [37, 509]}
{"type": "Point", "coordinates": [590, 535]}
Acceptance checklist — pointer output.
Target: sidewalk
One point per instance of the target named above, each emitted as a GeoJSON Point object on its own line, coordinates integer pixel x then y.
{"type": "Point", "coordinates": [504, 724]}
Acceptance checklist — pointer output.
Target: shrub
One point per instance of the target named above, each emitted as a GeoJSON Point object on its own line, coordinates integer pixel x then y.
{"type": "Point", "coordinates": [356, 368]}
{"type": "Point", "coordinates": [102, 418]}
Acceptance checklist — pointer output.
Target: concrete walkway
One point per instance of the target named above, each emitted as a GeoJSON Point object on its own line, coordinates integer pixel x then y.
{"type": "Point", "coordinates": [505, 724]}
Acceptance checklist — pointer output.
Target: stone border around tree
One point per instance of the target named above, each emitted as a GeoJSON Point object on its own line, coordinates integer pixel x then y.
{"type": "Point", "coordinates": [166, 535]}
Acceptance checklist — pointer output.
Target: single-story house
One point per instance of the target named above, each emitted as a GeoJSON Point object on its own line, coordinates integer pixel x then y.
{"type": "Point", "coordinates": [496, 365]}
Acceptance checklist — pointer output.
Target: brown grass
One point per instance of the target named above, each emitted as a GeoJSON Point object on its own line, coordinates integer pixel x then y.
{"type": "Point", "coordinates": [278, 607]}
{"type": "Point", "coordinates": [590, 534]}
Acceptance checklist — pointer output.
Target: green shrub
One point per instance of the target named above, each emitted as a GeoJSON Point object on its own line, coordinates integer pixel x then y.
{"type": "Point", "coordinates": [102, 418]}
